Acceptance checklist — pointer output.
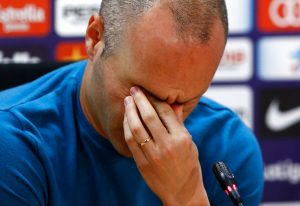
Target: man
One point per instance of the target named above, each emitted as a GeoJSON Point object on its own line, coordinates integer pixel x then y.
{"type": "Point", "coordinates": [126, 127]}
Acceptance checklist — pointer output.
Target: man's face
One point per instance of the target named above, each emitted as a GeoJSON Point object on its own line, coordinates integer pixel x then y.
{"type": "Point", "coordinates": [155, 59]}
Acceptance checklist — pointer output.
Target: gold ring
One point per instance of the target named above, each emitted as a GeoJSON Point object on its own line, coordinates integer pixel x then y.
{"type": "Point", "coordinates": [145, 141]}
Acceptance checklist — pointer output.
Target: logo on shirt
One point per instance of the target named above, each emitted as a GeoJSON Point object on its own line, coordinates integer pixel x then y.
{"type": "Point", "coordinates": [279, 15]}
{"type": "Point", "coordinates": [236, 63]}
{"type": "Point", "coordinates": [14, 54]}
{"type": "Point", "coordinates": [280, 113]}
{"type": "Point", "coordinates": [24, 18]}
{"type": "Point", "coordinates": [71, 17]}
{"type": "Point", "coordinates": [70, 51]}
{"type": "Point", "coordinates": [279, 58]}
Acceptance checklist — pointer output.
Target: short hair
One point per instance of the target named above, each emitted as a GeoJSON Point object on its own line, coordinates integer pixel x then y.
{"type": "Point", "coordinates": [194, 18]}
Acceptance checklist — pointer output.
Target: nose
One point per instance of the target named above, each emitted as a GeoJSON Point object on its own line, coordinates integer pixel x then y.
{"type": "Point", "coordinates": [174, 96]}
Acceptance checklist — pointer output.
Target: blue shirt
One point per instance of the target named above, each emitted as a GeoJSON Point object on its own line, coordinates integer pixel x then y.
{"type": "Point", "coordinates": [51, 155]}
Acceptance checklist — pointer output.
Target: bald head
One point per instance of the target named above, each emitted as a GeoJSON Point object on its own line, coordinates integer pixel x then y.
{"type": "Point", "coordinates": [193, 19]}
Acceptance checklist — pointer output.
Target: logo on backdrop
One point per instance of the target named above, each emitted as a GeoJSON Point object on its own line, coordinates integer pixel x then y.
{"type": "Point", "coordinates": [70, 51]}
{"type": "Point", "coordinates": [240, 16]}
{"type": "Point", "coordinates": [296, 57]}
{"type": "Point", "coordinates": [279, 58]}
{"type": "Point", "coordinates": [236, 63]}
{"type": "Point", "coordinates": [282, 15]}
{"type": "Point", "coordinates": [24, 18]}
{"type": "Point", "coordinates": [280, 113]}
{"type": "Point", "coordinates": [283, 171]}
{"type": "Point", "coordinates": [227, 95]}
{"type": "Point", "coordinates": [23, 55]}
{"type": "Point", "coordinates": [285, 13]}
{"type": "Point", "coordinates": [71, 17]}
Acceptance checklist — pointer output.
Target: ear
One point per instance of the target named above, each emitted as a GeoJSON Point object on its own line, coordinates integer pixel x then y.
{"type": "Point", "coordinates": [94, 38]}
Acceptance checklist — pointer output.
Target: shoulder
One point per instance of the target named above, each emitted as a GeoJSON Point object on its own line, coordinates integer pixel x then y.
{"type": "Point", "coordinates": [22, 177]}
{"type": "Point", "coordinates": [36, 111]}
{"type": "Point", "coordinates": [220, 135]}
{"type": "Point", "coordinates": [67, 76]}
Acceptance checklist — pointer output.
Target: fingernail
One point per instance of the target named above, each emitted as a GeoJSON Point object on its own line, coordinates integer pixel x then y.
{"type": "Point", "coordinates": [127, 101]}
{"type": "Point", "coordinates": [134, 90]}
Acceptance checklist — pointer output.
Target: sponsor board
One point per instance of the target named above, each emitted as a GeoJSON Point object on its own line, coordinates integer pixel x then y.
{"type": "Point", "coordinates": [279, 113]}
{"type": "Point", "coordinates": [279, 58]}
{"type": "Point", "coordinates": [227, 95]}
{"type": "Point", "coordinates": [283, 171]}
{"type": "Point", "coordinates": [278, 15]}
{"type": "Point", "coordinates": [240, 16]}
{"type": "Point", "coordinates": [237, 61]}
{"type": "Point", "coordinates": [71, 17]}
{"type": "Point", "coordinates": [282, 176]}
{"type": "Point", "coordinates": [70, 51]}
{"type": "Point", "coordinates": [30, 54]}
{"type": "Point", "coordinates": [24, 18]}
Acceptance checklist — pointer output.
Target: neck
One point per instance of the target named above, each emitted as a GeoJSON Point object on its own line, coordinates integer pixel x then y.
{"type": "Point", "coordinates": [86, 101]}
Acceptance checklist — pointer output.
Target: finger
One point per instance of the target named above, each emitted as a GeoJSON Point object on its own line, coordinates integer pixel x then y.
{"type": "Point", "coordinates": [167, 115]}
{"type": "Point", "coordinates": [136, 127]}
{"type": "Point", "coordinates": [137, 153]}
{"type": "Point", "coordinates": [178, 110]}
{"type": "Point", "coordinates": [148, 114]}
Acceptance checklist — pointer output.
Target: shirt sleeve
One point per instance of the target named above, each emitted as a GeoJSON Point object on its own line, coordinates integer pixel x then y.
{"type": "Point", "coordinates": [22, 177]}
{"type": "Point", "coordinates": [244, 159]}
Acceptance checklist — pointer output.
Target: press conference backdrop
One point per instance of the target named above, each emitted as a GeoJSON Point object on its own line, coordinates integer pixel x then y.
{"type": "Point", "coordinates": [259, 75]}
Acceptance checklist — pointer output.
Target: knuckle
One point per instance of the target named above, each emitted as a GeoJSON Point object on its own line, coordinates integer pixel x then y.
{"type": "Point", "coordinates": [143, 167]}
{"type": "Point", "coordinates": [168, 152]}
{"type": "Point", "coordinates": [148, 117]}
{"type": "Point", "coordinates": [183, 143]}
{"type": "Point", "coordinates": [135, 130]}
{"type": "Point", "coordinates": [164, 111]}
{"type": "Point", "coordinates": [186, 139]}
{"type": "Point", "coordinates": [130, 140]}
{"type": "Point", "coordinates": [187, 142]}
{"type": "Point", "coordinates": [186, 136]}
{"type": "Point", "coordinates": [156, 159]}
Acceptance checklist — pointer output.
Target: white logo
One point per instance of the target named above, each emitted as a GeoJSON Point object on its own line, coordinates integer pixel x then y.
{"type": "Point", "coordinates": [237, 60]}
{"type": "Point", "coordinates": [278, 120]}
{"type": "Point", "coordinates": [279, 58]}
{"type": "Point", "coordinates": [71, 17]}
{"type": "Point", "coordinates": [286, 170]}
{"type": "Point", "coordinates": [19, 58]}
{"type": "Point", "coordinates": [237, 98]}
{"type": "Point", "coordinates": [19, 19]}
{"type": "Point", "coordinates": [240, 15]}
{"type": "Point", "coordinates": [285, 13]}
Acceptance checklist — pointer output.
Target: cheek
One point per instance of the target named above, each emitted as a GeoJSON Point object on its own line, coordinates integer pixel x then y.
{"type": "Point", "coordinates": [117, 101]}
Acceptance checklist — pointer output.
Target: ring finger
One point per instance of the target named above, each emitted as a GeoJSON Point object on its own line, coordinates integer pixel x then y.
{"type": "Point", "coordinates": [136, 126]}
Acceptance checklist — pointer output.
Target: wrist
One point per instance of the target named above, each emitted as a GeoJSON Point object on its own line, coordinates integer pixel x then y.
{"type": "Point", "coordinates": [199, 198]}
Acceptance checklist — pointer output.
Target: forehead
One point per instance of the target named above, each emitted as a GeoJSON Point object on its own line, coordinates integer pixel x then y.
{"type": "Point", "coordinates": [163, 63]}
